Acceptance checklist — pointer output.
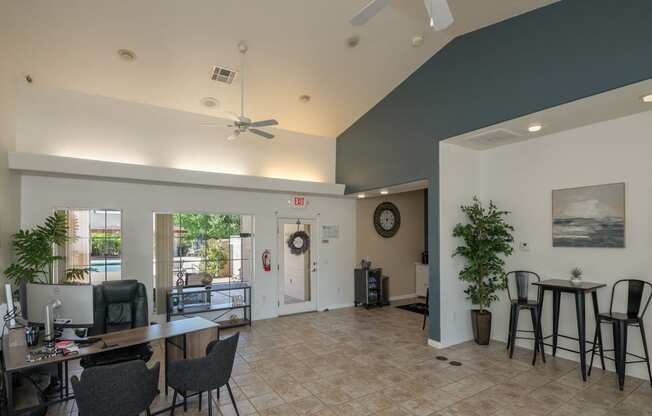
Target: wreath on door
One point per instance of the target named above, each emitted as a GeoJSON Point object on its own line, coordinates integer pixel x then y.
{"type": "Point", "coordinates": [299, 242]}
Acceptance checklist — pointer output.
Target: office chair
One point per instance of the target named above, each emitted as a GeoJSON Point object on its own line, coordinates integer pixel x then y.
{"type": "Point", "coordinates": [119, 305]}
{"type": "Point", "coordinates": [205, 374]}
{"type": "Point", "coordinates": [637, 305]}
{"type": "Point", "coordinates": [124, 389]}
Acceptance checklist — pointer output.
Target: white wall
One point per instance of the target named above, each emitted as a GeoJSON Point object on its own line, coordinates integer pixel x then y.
{"type": "Point", "coordinates": [40, 194]}
{"type": "Point", "coordinates": [459, 181]}
{"type": "Point", "coordinates": [9, 182]}
{"type": "Point", "coordinates": [520, 178]}
{"type": "Point", "coordinates": [67, 123]}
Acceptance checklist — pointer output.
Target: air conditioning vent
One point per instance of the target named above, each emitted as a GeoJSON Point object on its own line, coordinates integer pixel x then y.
{"type": "Point", "coordinates": [221, 74]}
{"type": "Point", "coordinates": [493, 137]}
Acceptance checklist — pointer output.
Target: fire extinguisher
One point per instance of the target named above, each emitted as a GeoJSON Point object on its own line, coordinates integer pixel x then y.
{"type": "Point", "coordinates": [267, 261]}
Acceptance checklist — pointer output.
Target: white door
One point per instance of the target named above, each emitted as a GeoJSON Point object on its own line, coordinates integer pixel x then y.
{"type": "Point", "coordinates": [297, 266]}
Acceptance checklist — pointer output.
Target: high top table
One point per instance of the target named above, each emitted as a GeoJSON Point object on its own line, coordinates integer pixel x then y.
{"type": "Point", "coordinates": [579, 290]}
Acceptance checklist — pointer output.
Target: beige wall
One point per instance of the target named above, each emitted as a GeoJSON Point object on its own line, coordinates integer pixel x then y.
{"type": "Point", "coordinates": [396, 255]}
{"type": "Point", "coordinates": [9, 183]}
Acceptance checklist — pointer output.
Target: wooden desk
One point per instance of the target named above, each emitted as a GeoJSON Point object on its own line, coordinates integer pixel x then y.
{"type": "Point", "coordinates": [579, 290]}
{"type": "Point", "coordinates": [15, 349]}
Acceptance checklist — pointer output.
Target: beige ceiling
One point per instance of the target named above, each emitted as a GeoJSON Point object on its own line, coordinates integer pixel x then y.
{"type": "Point", "coordinates": [296, 47]}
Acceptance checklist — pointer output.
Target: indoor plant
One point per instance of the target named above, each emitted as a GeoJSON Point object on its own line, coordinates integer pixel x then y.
{"type": "Point", "coordinates": [36, 251]}
{"type": "Point", "coordinates": [487, 237]}
{"type": "Point", "coordinates": [576, 275]}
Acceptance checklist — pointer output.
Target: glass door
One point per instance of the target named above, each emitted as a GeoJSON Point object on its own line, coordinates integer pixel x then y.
{"type": "Point", "coordinates": [297, 267]}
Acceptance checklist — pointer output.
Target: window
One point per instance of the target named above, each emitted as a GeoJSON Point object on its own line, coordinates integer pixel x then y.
{"type": "Point", "coordinates": [198, 249]}
{"type": "Point", "coordinates": [95, 243]}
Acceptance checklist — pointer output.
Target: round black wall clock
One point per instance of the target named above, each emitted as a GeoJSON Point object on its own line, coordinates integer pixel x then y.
{"type": "Point", "coordinates": [387, 219]}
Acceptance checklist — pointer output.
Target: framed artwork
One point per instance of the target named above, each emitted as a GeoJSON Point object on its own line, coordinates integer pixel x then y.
{"type": "Point", "coordinates": [589, 216]}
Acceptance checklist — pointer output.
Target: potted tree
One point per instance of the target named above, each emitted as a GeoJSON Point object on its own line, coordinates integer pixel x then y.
{"type": "Point", "coordinates": [36, 253]}
{"type": "Point", "coordinates": [487, 238]}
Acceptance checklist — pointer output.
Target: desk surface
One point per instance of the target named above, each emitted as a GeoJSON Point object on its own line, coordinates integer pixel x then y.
{"type": "Point", "coordinates": [15, 350]}
{"type": "Point", "coordinates": [567, 285]}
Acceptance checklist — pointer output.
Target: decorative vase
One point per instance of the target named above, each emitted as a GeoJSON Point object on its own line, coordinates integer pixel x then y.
{"type": "Point", "coordinates": [481, 323]}
{"type": "Point", "coordinates": [575, 281]}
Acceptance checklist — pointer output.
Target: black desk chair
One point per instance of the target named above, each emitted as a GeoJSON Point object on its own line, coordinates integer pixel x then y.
{"type": "Point", "coordinates": [426, 313]}
{"type": "Point", "coordinates": [119, 305]}
{"type": "Point", "coordinates": [205, 374]}
{"type": "Point", "coordinates": [637, 304]}
{"type": "Point", "coordinates": [521, 280]}
{"type": "Point", "coordinates": [125, 389]}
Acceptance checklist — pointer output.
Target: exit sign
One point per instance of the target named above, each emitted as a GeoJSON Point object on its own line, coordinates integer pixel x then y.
{"type": "Point", "coordinates": [298, 202]}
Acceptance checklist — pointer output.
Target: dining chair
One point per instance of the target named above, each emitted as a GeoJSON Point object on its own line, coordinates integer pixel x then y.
{"type": "Point", "coordinates": [205, 374]}
{"type": "Point", "coordinates": [426, 313]}
{"type": "Point", "coordinates": [124, 389]}
{"type": "Point", "coordinates": [521, 280]}
{"type": "Point", "coordinates": [637, 301]}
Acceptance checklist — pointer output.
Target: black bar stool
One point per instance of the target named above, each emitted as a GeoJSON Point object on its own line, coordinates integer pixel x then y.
{"type": "Point", "coordinates": [521, 280]}
{"type": "Point", "coordinates": [620, 321]}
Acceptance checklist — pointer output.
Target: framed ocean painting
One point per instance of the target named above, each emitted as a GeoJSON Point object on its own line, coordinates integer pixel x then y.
{"type": "Point", "coordinates": [589, 216]}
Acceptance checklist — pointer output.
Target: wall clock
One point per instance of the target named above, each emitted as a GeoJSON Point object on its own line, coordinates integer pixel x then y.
{"type": "Point", "coordinates": [387, 219]}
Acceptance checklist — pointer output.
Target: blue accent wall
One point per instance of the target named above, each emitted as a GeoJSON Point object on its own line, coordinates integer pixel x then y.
{"type": "Point", "coordinates": [550, 56]}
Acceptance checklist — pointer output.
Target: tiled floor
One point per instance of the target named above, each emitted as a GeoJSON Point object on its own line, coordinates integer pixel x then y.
{"type": "Point", "coordinates": [358, 362]}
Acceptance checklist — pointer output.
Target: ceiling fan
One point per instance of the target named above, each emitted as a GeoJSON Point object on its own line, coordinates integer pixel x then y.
{"type": "Point", "coordinates": [438, 11]}
{"type": "Point", "coordinates": [242, 124]}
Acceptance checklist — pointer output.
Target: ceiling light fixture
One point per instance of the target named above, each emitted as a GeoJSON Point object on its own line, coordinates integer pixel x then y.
{"type": "Point", "coordinates": [533, 128]}
{"type": "Point", "coordinates": [384, 191]}
{"type": "Point", "coordinates": [647, 98]}
{"type": "Point", "coordinates": [417, 41]}
{"type": "Point", "coordinates": [127, 55]}
{"type": "Point", "coordinates": [304, 98]}
{"type": "Point", "coordinates": [361, 196]}
{"type": "Point", "coordinates": [210, 102]}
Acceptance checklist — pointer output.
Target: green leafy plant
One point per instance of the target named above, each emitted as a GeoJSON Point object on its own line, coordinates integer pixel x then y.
{"type": "Point", "coordinates": [576, 273]}
{"type": "Point", "coordinates": [486, 238]}
{"type": "Point", "coordinates": [36, 252]}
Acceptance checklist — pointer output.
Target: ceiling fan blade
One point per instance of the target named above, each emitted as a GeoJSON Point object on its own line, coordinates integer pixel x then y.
{"type": "Point", "coordinates": [368, 11]}
{"type": "Point", "coordinates": [440, 14]}
{"type": "Point", "coordinates": [262, 133]}
{"type": "Point", "coordinates": [264, 123]}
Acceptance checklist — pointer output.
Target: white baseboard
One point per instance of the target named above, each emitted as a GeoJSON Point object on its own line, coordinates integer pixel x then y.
{"type": "Point", "coordinates": [401, 297]}
{"type": "Point", "coordinates": [435, 344]}
{"type": "Point", "coordinates": [338, 306]}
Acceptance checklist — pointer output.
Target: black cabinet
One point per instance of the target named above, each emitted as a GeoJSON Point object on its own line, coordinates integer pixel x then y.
{"type": "Point", "coordinates": [371, 288]}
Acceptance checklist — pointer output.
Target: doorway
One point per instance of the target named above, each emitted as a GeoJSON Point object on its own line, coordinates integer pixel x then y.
{"type": "Point", "coordinates": [297, 266]}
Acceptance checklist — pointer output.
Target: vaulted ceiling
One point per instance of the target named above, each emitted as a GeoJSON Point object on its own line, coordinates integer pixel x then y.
{"type": "Point", "coordinates": [296, 47]}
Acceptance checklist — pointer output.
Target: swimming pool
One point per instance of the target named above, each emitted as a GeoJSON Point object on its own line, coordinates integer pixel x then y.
{"type": "Point", "coordinates": [101, 266]}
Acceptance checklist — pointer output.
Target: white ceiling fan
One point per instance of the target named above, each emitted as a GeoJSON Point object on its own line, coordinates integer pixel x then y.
{"type": "Point", "coordinates": [438, 11]}
{"type": "Point", "coordinates": [242, 124]}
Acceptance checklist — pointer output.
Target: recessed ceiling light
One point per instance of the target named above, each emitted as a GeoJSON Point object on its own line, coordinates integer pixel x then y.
{"type": "Point", "coordinates": [210, 102]}
{"type": "Point", "coordinates": [360, 196]}
{"type": "Point", "coordinates": [304, 98]}
{"type": "Point", "coordinates": [533, 128]}
{"type": "Point", "coordinates": [353, 41]}
{"type": "Point", "coordinates": [417, 41]}
{"type": "Point", "coordinates": [127, 55]}
{"type": "Point", "coordinates": [384, 191]}
{"type": "Point", "coordinates": [647, 98]}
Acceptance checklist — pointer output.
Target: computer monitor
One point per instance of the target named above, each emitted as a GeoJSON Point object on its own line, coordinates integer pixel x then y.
{"type": "Point", "coordinates": [76, 310]}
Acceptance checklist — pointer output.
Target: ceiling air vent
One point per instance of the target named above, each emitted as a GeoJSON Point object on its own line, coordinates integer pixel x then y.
{"type": "Point", "coordinates": [493, 138]}
{"type": "Point", "coordinates": [221, 74]}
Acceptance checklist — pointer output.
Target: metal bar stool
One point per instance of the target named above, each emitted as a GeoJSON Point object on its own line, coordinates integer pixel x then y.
{"type": "Point", "coordinates": [620, 321]}
{"type": "Point", "coordinates": [521, 280]}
